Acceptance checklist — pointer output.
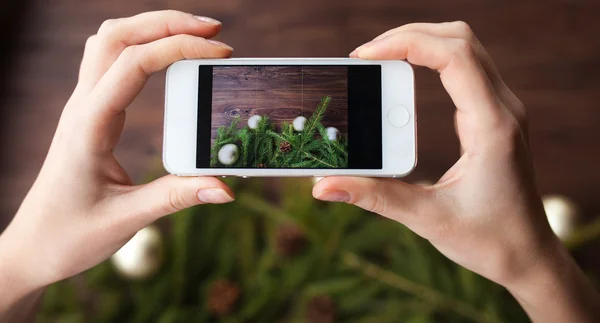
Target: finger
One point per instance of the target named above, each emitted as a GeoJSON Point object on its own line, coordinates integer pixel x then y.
{"type": "Point", "coordinates": [399, 201]}
{"type": "Point", "coordinates": [115, 35]}
{"type": "Point", "coordinates": [167, 195]}
{"type": "Point", "coordinates": [127, 76]}
{"type": "Point", "coordinates": [456, 29]}
{"type": "Point", "coordinates": [460, 72]}
{"type": "Point", "coordinates": [461, 30]}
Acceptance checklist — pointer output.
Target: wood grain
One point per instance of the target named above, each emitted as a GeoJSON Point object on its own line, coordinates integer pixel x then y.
{"type": "Point", "coordinates": [281, 93]}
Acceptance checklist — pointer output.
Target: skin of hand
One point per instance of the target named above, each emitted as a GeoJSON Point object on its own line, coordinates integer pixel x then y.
{"type": "Point", "coordinates": [485, 213]}
{"type": "Point", "coordinates": [83, 206]}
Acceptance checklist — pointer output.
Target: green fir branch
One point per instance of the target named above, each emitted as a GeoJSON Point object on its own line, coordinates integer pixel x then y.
{"type": "Point", "coordinates": [369, 269]}
{"type": "Point", "coordinates": [262, 145]}
{"type": "Point", "coordinates": [311, 125]}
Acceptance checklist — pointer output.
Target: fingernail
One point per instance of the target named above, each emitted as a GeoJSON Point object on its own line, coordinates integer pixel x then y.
{"type": "Point", "coordinates": [208, 20]}
{"type": "Point", "coordinates": [334, 196]}
{"type": "Point", "coordinates": [361, 50]}
{"type": "Point", "coordinates": [214, 195]}
{"type": "Point", "coordinates": [354, 53]}
{"type": "Point", "coordinates": [218, 43]}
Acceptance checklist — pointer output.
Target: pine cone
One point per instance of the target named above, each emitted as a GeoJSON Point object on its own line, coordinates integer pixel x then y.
{"type": "Point", "coordinates": [222, 296]}
{"type": "Point", "coordinates": [262, 165]}
{"type": "Point", "coordinates": [285, 147]}
{"type": "Point", "coordinates": [290, 240]}
{"type": "Point", "coordinates": [320, 309]}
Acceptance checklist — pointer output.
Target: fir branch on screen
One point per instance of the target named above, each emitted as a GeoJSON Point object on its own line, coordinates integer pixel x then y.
{"type": "Point", "coordinates": [315, 120]}
{"type": "Point", "coordinates": [266, 147]}
{"type": "Point", "coordinates": [225, 135]}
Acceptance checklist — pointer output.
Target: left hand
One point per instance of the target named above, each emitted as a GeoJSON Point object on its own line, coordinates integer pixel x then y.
{"type": "Point", "coordinates": [83, 206]}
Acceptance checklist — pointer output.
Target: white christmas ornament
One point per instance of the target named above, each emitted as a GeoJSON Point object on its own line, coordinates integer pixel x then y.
{"type": "Point", "coordinates": [299, 123]}
{"type": "Point", "coordinates": [228, 154]}
{"type": "Point", "coordinates": [562, 215]}
{"type": "Point", "coordinates": [142, 256]}
{"type": "Point", "coordinates": [253, 121]}
{"type": "Point", "coordinates": [332, 133]}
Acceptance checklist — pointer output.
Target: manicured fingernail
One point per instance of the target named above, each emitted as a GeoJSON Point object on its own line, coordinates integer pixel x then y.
{"type": "Point", "coordinates": [218, 43]}
{"type": "Point", "coordinates": [334, 196]}
{"type": "Point", "coordinates": [214, 195]}
{"type": "Point", "coordinates": [363, 49]}
{"type": "Point", "coordinates": [208, 20]}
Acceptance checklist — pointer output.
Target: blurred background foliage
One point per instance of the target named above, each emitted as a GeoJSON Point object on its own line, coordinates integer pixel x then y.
{"type": "Point", "coordinates": [285, 258]}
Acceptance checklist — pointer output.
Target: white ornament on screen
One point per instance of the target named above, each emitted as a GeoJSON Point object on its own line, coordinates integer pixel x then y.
{"type": "Point", "coordinates": [299, 123]}
{"type": "Point", "coordinates": [228, 154]}
{"type": "Point", "coordinates": [332, 133]}
{"type": "Point", "coordinates": [253, 121]}
{"type": "Point", "coordinates": [142, 256]}
{"type": "Point", "coordinates": [562, 213]}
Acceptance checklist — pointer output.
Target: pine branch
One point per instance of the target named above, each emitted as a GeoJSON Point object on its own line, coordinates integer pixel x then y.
{"type": "Point", "coordinates": [312, 123]}
{"type": "Point", "coordinates": [369, 269]}
{"type": "Point", "coordinates": [261, 145]}
{"type": "Point", "coordinates": [246, 138]}
{"type": "Point", "coordinates": [421, 291]}
{"type": "Point", "coordinates": [320, 161]}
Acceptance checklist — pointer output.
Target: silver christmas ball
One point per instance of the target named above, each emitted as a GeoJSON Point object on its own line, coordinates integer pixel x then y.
{"type": "Point", "coordinates": [299, 123]}
{"type": "Point", "coordinates": [142, 256]}
{"type": "Point", "coordinates": [332, 133]}
{"type": "Point", "coordinates": [253, 121]}
{"type": "Point", "coordinates": [562, 213]}
{"type": "Point", "coordinates": [228, 154]}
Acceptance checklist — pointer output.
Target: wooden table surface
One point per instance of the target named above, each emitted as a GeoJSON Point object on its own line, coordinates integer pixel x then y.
{"type": "Point", "coordinates": [548, 52]}
{"type": "Point", "coordinates": [281, 93]}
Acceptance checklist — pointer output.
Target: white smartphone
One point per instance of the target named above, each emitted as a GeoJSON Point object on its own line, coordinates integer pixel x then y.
{"type": "Point", "coordinates": [290, 117]}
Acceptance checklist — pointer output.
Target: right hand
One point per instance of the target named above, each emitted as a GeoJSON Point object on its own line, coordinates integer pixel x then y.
{"type": "Point", "coordinates": [485, 213]}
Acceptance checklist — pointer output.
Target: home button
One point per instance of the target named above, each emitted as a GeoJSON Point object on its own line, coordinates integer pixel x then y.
{"type": "Point", "coordinates": [398, 116]}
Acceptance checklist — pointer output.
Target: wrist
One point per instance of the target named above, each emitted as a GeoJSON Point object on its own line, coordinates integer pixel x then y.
{"type": "Point", "coordinates": [545, 269]}
{"type": "Point", "coordinates": [13, 278]}
{"type": "Point", "coordinates": [555, 289]}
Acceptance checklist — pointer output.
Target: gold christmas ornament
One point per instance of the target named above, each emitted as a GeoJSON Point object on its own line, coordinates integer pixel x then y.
{"type": "Point", "coordinates": [562, 213]}
{"type": "Point", "coordinates": [142, 256]}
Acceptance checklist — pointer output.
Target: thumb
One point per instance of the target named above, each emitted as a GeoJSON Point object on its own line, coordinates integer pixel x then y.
{"type": "Point", "coordinates": [170, 194]}
{"type": "Point", "coordinates": [391, 198]}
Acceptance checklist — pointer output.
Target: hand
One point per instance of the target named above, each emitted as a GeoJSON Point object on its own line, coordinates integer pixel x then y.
{"type": "Point", "coordinates": [83, 206]}
{"type": "Point", "coordinates": [485, 213]}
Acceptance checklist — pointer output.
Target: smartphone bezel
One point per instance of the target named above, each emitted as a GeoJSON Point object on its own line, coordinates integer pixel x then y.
{"type": "Point", "coordinates": [399, 151]}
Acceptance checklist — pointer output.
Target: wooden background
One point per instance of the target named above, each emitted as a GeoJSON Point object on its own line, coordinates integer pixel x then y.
{"type": "Point", "coordinates": [547, 50]}
{"type": "Point", "coordinates": [280, 92]}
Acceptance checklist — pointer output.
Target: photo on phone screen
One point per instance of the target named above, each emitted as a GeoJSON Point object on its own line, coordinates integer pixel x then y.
{"type": "Point", "coordinates": [293, 116]}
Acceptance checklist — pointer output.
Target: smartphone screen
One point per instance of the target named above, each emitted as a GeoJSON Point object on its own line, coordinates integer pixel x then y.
{"type": "Point", "coordinates": [289, 116]}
